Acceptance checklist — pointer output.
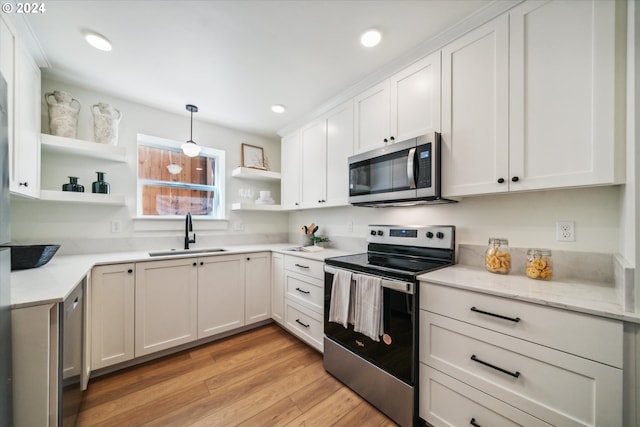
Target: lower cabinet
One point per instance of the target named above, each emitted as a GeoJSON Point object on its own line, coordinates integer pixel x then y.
{"type": "Point", "coordinates": [482, 358]}
{"type": "Point", "coordinates": [303, 290]}
{"type": "Point", "coordinates": [277, 287]}
{"type": "Point", "coordinates": [112, 314]}
{"type": "Point", "coordinates": [166, 304]}
{"type": "Point", "coordinates": [139, 309]}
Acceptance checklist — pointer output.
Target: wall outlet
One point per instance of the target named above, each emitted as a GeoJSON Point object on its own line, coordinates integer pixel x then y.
{"type": "Point", "coordinates": [238, 226]}
{"type": "Point", "coordinates": [350, 227]}
{"type": "Point", "coordinates": [116, 226]}
{"type": "Point", "coordinates": [566, 231]}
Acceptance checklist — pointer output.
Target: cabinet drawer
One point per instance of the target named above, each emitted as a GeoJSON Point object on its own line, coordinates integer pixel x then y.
{"type": "Point", "coordinates": [304, 323]}
{"type": "Point", "coordinates": [305, 290]}
{"type": "Point", "coordinates": [576, 333]}
{"type": "Point", "coordinates": [444, 401]}
{"type": "Point", "coordinates": [308, 267]}
{"type": "Point", "coordinates": [552, 385]}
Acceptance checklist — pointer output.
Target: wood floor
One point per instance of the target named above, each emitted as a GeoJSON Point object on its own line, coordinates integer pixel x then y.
{"type": "Point", "coordinates": [264, 377]}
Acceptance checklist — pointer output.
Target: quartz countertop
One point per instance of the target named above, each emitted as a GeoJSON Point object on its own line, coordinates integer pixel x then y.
{"type": "Point", "coordinates": [54, 281]}
{"type": "Point", "coordinates": [600, 299]}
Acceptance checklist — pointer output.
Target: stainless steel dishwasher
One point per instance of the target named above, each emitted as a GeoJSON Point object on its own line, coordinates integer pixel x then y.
{"type": "Point", "coordinates": [70, 357]}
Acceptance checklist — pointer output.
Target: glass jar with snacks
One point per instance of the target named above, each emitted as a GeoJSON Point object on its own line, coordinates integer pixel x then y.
{"type": "Point", "coordinates": [497, 258]}
{"type": "Point", "coordinates": [539, 264]}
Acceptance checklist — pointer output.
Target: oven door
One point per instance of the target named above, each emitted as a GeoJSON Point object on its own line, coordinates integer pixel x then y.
{"type": "Point", "coordinates": [396, 352]}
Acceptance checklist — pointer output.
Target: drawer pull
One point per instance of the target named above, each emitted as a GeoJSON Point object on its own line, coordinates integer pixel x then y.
{"type": "Point", "coordinates": [301, 266]}
{"type": "Point", "coordinates": [303, 324]}
{"type": "Point", "coordinates": [474, 423]}
{"type": "Point", "coordinates": [513, 319]}
{"type": "Point", "coordinates": [504, 371]}
{"type": "Point", "coordinates": [303, 291]}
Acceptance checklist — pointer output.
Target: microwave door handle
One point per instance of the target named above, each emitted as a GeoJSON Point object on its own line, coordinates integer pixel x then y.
{"type": "Point", "coordinates": [411, 174]}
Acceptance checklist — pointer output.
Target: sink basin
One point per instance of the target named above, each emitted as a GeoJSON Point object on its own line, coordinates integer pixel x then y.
{"type": "Point", "coordinates": [31, 256]}
{"type": "Point", "coordinates": [185, 251]}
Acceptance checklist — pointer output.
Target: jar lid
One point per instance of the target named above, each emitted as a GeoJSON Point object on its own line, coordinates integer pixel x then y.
{"type": "Point", "coordinates": [498, 241]}
{"type": "Point", "coordinates": [539, 252]}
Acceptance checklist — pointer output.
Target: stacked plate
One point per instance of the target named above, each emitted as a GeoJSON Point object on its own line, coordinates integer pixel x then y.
{"type": "Point", "coordinates": [265, 198]}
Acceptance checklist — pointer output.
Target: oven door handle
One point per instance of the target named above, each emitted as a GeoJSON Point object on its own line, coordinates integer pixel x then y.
{"type": "Point", "coordinates": [396, 285]}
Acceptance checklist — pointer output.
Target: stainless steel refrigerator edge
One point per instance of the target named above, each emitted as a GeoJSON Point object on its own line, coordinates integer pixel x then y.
{"type": "Point", "coordinates": [6, 392]}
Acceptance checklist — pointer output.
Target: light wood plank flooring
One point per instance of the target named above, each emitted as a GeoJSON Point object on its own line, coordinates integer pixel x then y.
{"type": "Point", "coordinates": [263, 377]}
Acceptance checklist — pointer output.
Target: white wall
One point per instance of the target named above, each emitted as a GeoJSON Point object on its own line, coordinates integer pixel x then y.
{"type": "Point", "coordinates": [526, 219]}
{"type": "Point", "coordinates": [53, 221]}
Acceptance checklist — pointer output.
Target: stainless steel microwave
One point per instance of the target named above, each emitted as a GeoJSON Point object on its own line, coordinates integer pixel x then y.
{"type": "Point", "coordinates": [402, 174]}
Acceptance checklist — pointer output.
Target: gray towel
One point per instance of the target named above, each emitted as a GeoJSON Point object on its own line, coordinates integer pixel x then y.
{"type": "Point", "coordinates": [368, 305]}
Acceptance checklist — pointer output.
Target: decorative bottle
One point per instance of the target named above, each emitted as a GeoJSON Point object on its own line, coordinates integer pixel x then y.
{"type": "Point", "coordinates": [100, 186]}
{"type": "Point", "coordinates": [73, 185]}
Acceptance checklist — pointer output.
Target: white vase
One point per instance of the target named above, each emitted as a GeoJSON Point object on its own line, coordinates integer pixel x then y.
{"type": "Point", "coordinates": [106, 120]}
{"type": "Point", "coordinates": [63, 113]}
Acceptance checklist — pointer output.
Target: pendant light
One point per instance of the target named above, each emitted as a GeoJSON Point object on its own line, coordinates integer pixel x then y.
{"type": "Point", "coordinates": [190, 148]}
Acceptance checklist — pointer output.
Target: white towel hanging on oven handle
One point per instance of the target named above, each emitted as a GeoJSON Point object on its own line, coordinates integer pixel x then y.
{"type": "Point", "coordinates": [368, 306]}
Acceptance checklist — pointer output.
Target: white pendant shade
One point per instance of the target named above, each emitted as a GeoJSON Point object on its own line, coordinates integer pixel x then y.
{"type": "Point", "coordinates": [190, 149]}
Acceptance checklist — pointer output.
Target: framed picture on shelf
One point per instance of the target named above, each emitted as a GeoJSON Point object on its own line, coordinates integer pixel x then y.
{"type": "Point", "coordinates": [253, 157]}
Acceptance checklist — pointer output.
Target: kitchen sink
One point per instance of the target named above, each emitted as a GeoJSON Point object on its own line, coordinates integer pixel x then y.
{"type": "Point", "coordinates": [185, 251]}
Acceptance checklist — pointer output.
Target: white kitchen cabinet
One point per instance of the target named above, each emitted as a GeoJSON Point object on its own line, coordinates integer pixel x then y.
{"type": "Point", "coordinates": [35, 365]}
{"type": "Point", "coordinates": [112, 314]}
{"type": "Point", "coordinates": [326, 145]}
{"type": "Point", "coordinates": [371, 111]}
{"type": "Point", "coordinates": [313, 148]}
{"type": "Point", "coordinates": [221, 294]}
{"type": "Point", "coordinates": [563, 94]}
{"type": "Point", "coordinates": [257, 279]}
{"type": "Point", "coordinates": [475, 125]}
{"type": "Point", "coordinates": [304, 299]}
{"type": "Point", "coordinates": [290, 164]}
{"type": "Point", "coordinates": [530, 357]}
{"type": "Point", "coordinates": [404, 106]}
{"type": "Point", "coordinates": [23, 84]}
{"type": "Point", "coordinates": [415, 99]}
{"type": "Point", "coordinates": [166, 304]}
{"type": "Point", "coordinates": [277, 287]}
{"type": "Point", "coordinates": [532, 100]}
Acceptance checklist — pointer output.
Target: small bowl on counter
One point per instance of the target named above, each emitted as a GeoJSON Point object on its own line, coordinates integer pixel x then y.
{"type": "Point", "coordinates": [24, 257]}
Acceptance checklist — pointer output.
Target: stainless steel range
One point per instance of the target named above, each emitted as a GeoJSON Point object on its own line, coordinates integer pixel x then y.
{"type": "Point", "coordinates": [371, 314]}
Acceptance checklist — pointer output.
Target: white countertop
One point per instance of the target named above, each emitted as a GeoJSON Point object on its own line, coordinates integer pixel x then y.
{"type": "Point", "coordinates": [601, 299]}
{"type": "Point", "coordinates": [54, 281]}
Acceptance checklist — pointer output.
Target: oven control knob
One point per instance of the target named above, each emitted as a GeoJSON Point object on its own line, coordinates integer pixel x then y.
{"type": "Point", "coordinates": [429, 235]}
{"type": "Point", "coordinates": [380, 233]}
{"type": "Point", "coordinates": [373, 232]}
{"type": "Point", "coordinates": [440, 235]}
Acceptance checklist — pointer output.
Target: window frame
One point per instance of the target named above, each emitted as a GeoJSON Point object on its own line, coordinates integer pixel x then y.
{"type": "Point", "coordinates": [218, 211]}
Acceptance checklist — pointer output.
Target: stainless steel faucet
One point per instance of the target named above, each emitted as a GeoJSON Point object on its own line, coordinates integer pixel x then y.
{"type": "Point", "coordinates": [188, 226]}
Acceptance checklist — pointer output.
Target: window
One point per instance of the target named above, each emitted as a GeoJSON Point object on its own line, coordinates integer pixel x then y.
{"type": "Point", "coordinates": [172, 184]}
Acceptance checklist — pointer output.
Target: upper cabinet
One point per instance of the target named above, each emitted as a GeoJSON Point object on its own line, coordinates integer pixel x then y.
{"type": "Point", "coordinates": [475, 97]}
{"type": "Point", "coordinates": [315, 170]}
{"type": "Point", "coordinates": [23, 84]}
{"type": "Point", "coordinates": [290, 184]}
{"type": "Point", "coordinates": [530, 100]}
{"type": "Point", "coordinates": [404, 106]}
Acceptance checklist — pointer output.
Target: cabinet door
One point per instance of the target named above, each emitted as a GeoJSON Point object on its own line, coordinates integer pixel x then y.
{"type": "Point", "coordinates": [166, 304]}
{"type": "Point", "coordinates": [277, 287]}
{"type": "Point", "coordinates": [8, 65]}
{"type": "Point", "coordinates": [339, 147]}
{"type": "Point", "coordinates": [563, 94]}
{"type": "Point", "coordinates": [475, 111]}
{"type": "Point", "coordinates": [112, 314]}
{"type": "Point", "coordinates": [415, 99]}
{"type": "Point", "coordinates": [25, 174]}
{"type": "Point", "coordinates": [313, 140]}
{"type": "Point", "coordinates": [371, 111]}
{"type": "Point", "coordinates": [220, 294]}
{"type": "Point", "coordinates": [290, 184]}
{"type": "Point", "coordinates": [257, 287]}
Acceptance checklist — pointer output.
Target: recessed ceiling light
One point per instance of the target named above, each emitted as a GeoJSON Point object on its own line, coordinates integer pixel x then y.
{"type": "Point", "coordinates": [370, 38]}
{"type": "Point", "coordinates": [98, 41]}
{"type": "Point", "coordinates": [279, 109]}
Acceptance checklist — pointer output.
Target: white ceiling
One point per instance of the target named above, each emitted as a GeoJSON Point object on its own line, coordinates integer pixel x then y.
{"type": "Point", "coordinates": [234, 59]}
